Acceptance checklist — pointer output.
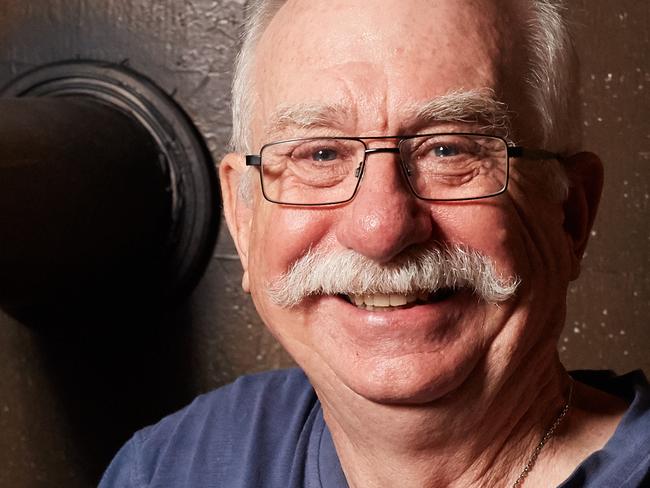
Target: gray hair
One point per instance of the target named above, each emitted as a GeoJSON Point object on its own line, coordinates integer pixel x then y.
{"type": "Point", "coordinates": [551, 79]}
{"type": "Point", "coordinates": [259, 15]}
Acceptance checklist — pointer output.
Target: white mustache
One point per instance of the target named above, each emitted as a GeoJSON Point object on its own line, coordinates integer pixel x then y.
{"type": "Point", "coordinates": [415, 271]}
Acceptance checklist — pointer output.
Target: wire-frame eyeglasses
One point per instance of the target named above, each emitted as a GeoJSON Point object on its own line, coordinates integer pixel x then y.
{"type": "Point", "coordinates": [319, 171]}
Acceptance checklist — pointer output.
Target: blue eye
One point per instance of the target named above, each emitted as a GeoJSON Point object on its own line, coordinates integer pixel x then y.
{"type": "Point", "coordinates": [325, 155]}
{"type": "Point", "coordinates": [441, 151]}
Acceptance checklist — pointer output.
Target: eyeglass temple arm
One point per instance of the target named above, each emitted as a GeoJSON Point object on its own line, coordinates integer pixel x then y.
{"type": "Point", "coordinates": [253, 160]}
{"type": "Point", "coordinates": [523, 152]}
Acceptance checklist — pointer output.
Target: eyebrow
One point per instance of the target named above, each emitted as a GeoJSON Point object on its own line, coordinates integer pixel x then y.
{"type": "Point", "coordinates": [307, 116]}
{"type": "Point", "coordinates": [480, 108]}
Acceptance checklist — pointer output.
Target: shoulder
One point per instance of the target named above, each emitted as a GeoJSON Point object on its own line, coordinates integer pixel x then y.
{"type": "Point", "coordinates": [238, 426]}
{"type": "Point", "coordinates": [624, 461]}
{"type": "Point", "coordinates": [259, 394]}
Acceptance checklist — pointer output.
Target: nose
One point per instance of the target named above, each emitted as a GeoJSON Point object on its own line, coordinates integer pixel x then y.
{"type": "Point", "coordinates": [384, 218]}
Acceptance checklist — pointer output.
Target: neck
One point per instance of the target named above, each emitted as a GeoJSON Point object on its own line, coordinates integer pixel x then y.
{"type": "Point", "coordinates": [478, 435]}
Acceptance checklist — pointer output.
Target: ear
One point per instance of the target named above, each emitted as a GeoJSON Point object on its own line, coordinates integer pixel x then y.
{"type": "Point", "coordinates": [585, 172]}
{"type": "Point", "coordinates": [238, 213]}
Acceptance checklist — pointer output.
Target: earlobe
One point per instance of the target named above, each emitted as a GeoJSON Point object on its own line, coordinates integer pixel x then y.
{"type": "Point", "coordinates": [237, 213]}
{"type": "Point", "coordinates": [585, 172]}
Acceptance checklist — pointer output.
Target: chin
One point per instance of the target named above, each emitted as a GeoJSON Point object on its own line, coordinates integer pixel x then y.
{"type": "Point", "coordinates": [407, 381]}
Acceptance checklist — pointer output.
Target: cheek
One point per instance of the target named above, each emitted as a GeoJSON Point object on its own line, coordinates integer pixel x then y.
{"type": "Point", "coordinates": [489, 227]}
{"type": "Point", "coordinates": [281, 235]}
{"type": "Point", "coordinates": [540, 218]}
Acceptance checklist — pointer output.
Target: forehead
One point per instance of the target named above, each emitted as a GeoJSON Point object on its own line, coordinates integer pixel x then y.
{"type": "Point", "coordinates": [380, 56]}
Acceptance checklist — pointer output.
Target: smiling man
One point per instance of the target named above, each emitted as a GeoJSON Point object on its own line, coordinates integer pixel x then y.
{"type": "Point", "coordinates": [409, 206]}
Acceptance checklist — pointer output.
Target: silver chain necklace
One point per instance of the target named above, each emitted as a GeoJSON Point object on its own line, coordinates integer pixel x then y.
{"type": "Point", "coordinates": [547, 436]}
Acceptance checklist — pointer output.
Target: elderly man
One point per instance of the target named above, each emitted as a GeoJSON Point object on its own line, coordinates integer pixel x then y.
{"type": "Point", "coordinates": [409, 208]}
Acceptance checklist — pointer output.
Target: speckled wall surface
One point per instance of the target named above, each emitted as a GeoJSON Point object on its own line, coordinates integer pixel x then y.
{"type": "Point", "coordinates": [66, 403]}
{"type": "Point", "coordinates": [607, 324]}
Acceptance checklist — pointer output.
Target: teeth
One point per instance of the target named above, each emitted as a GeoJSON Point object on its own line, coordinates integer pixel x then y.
{"type": "Point", "coordinates": [381, 300]}
{"type": "Point", "coordinates": [385, 300]}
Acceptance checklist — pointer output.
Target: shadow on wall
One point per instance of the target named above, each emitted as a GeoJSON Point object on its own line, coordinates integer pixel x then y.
{"type": "Point", "coordinates": [112, 373]}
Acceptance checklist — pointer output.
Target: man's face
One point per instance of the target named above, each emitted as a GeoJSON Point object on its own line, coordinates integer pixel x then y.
{"type": "Point", "coordinates": [365, 67]}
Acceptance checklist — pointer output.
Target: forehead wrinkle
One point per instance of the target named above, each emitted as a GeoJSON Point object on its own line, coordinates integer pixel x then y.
{"type": "Point", "coordinates": [477, 107]}
{"type": "Point", "coordinates": [480, 108]}
{"type": "Point", "coordinates": [305, 116]}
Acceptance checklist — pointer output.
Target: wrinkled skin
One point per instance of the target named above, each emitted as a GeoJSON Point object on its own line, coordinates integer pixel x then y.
{"type": "Point", "coordinates": [376, 62]}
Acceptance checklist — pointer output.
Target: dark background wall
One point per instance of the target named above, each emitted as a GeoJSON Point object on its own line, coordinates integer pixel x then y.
{"type": "Point", "coordinates": [68, 399]}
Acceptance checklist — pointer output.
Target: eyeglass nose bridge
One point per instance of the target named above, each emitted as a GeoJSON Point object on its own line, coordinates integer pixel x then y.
{"type": "Point", "coordinates": [374, 150]}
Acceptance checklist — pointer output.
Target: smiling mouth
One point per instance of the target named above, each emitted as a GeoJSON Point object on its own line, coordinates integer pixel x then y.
{"type": "Point", "coordinates": [395, 301]}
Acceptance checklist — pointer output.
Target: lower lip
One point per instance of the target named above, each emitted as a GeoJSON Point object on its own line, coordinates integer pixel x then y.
{"type": "Point", "coordinates": [435, 317]}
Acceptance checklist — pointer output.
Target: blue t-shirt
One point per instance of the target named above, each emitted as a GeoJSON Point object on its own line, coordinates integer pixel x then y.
{"type": "Point", "coordinates": [267, 431]}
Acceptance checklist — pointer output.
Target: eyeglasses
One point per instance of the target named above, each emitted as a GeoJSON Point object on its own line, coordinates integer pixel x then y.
{"type": "Point", "coordinates": [320, 171]}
